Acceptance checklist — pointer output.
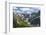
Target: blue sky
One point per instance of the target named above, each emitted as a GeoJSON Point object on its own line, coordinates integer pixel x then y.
{"type": "Point", "coordinates": [27, 10]}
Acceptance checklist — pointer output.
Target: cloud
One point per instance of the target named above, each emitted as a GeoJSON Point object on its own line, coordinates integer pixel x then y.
{"type": "Point", "coordinates": [26, 10]}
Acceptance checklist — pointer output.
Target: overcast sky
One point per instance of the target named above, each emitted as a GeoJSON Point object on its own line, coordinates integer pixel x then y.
{"type": "Point", "coordinates": [27, 10]}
